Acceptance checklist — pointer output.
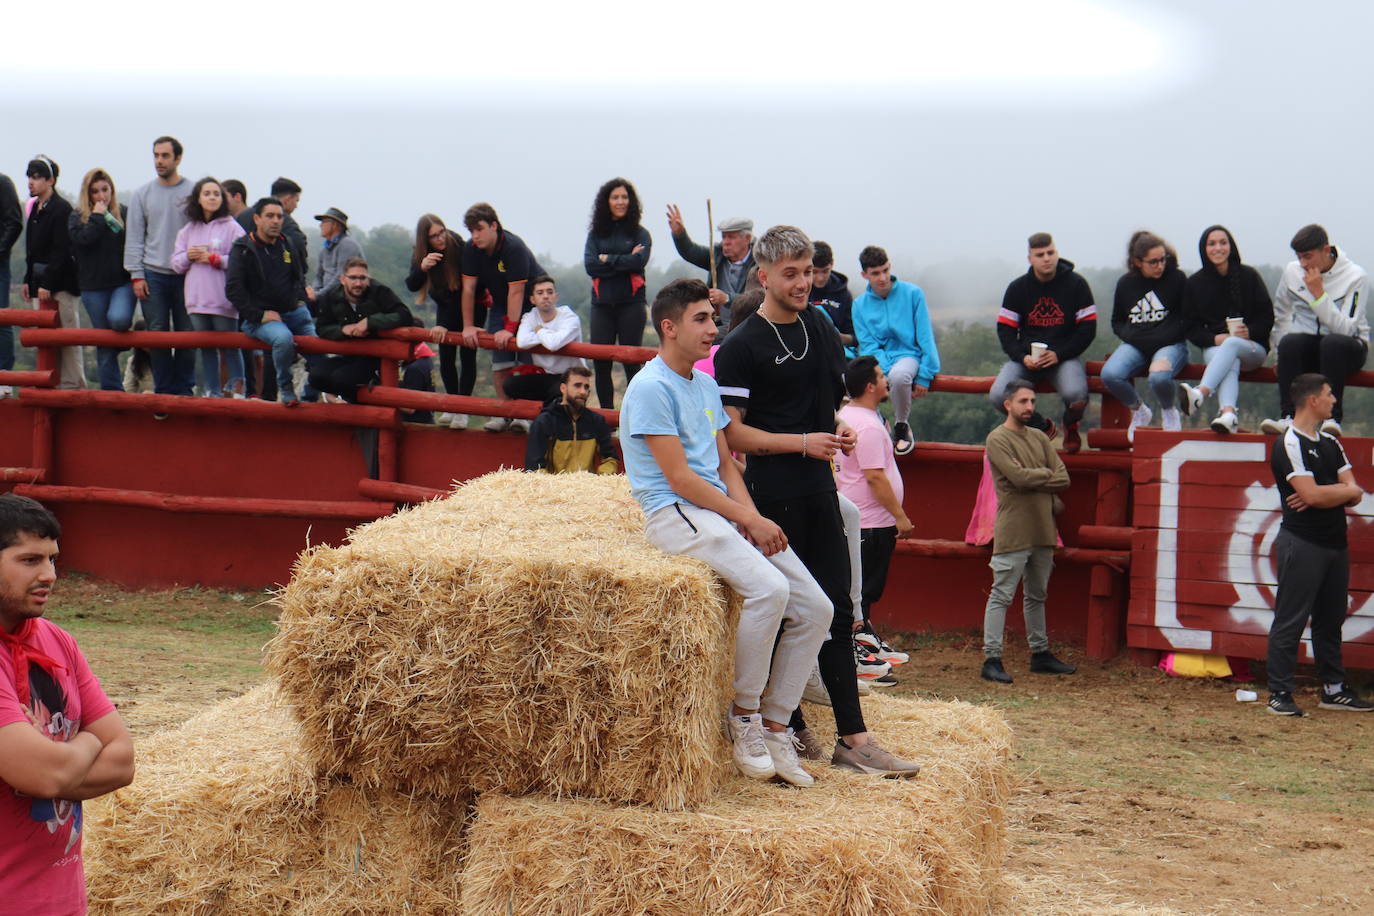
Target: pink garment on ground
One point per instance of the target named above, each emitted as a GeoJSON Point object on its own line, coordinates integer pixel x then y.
{"type": "Point", "coordinates": [40, 839]}
{"type": "Point", "coordinates": [708, 365]}
{"type": "Point", "coordinates": [874, 450]}
{"type": "Point", "coordinates": [205, 293]}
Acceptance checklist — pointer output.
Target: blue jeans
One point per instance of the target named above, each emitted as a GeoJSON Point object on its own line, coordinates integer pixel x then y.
{"type": "Point", "coordinates": [174, 371]}
{"type": "Point", "coordinates": [1224, 364]}
{"type": "Point", "coordinates": [210, 358]}
{"type": "Point", "coordinates": [278, 335]}
{"type": "Point", "coordinates": [109, 310]}
{"type": "Point", "coordinates": [1126, 362]}
{"type": "Point", "coordinates": [6, 332]}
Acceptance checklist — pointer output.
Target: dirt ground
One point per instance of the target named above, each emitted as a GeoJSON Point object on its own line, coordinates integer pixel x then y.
{"type": "Point", "coordinates": [1138, 793]}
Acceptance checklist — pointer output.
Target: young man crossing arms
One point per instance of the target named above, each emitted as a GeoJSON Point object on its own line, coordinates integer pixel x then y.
{"type": "Point", "coordinates": [695, 503]}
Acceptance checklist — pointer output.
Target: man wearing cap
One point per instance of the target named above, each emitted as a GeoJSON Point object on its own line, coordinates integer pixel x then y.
{"type": "Point", "coordinates": [338, 249]}
{"type": "Point", "coordinates": [736, 269]}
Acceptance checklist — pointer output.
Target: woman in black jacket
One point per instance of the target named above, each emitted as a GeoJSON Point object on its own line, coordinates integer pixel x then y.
{"type": "Point", "coordinates": [97, 232]}
{"type": "Point", "coordinates": [50, 272]}
{"type": "Point", "coordinates": [616, 254]}
{"type": "Point", "coordinates": [1231, 315]}
{"type": "Point", "coordinates": [436, 270]}
{"type": "Point", "coordinates": [1147, 314]}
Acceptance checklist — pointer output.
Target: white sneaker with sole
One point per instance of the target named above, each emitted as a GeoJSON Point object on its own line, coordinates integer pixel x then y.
{"type": "Point", "coordinates": [782, 747]}
{"type": "Point", "coordinates": [1225, 423]}
{"type": "Point", "coordinates": [1170, 419]}
{"type": "Point", "coordinates": [519, 426]}
{"type": "Point", "coordinates": [457, 421]}
{"type": "Point", "coordinates": [814, 691]}
{"type": "Point", "coordinates": [1276, 427]}
{"type": "Point", "coordinates": [1332, 428]}
{"type": "Point", "coordinates": [751, 754]}
{"type": "Point", "coordinates": [497, 424]}
{"type": "Point", "coordinates": [1141, 416]}
{"type": "Point", "coordinates": [1189, 398]}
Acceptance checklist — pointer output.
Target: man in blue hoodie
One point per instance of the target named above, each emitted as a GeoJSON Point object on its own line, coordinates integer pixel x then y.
{"type": "Point", "coordinates": [892, 324]}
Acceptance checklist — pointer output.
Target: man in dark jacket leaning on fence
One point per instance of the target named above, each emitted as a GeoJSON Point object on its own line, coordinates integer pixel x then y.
{"type": "Point", "coordinates": [353, 309]}
{"type": "Point", "coordinates": [566, 436]}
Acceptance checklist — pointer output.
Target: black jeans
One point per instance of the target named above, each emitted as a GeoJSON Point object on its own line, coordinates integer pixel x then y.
{"type": "Point", "coordinates": [1333, 355]}
{"type": "Point", "coordinates": [815, 532]}
{"type": "Point", "coordinates": [622, 323]}
{"type": "Point", "coordinates": [344, 375]}
{"type": "Point", "coordinates": [875, 556]}
{"type": "Point", "coordinates": [1313, 584]}
{"type": "Point", "coordinates": [452, 357]}
{"type": "Point", "coordinates": [418, 375]}
{"type": "Point", "coordinates": [532, 386]}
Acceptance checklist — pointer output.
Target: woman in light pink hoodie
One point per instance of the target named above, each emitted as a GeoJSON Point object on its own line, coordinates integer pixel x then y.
{"type": "Point", "coordinates": [202, 254]}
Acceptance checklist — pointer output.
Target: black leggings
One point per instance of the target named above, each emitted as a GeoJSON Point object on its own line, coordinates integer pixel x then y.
{"type": "Point", "coordinates": [451, 357]}
{"type": "Point", "coordinates": [622, 323]}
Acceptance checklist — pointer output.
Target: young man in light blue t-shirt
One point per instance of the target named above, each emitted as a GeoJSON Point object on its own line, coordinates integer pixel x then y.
{"type": "Point", "coordinates": [695, 503]}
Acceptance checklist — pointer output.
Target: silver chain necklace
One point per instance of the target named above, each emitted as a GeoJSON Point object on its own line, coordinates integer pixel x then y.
{"type": "Point", "coordinates": [787, 353]}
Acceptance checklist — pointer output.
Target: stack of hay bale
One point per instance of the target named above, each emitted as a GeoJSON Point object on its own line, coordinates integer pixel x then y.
{"type": "Point", "coordinates": [508, 702]}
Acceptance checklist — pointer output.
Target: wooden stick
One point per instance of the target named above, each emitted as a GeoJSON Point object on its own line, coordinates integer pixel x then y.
{"type": "Point", "coordinates": [711, 242]}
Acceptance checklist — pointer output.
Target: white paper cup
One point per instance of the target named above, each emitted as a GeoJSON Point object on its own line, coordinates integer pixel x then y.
{"type": "Point", "coordinates": [1246, 696]}
{"type": "Point", "coordinates": [1234, 324]}
{"type": "Point", "coordinates": [1038, 349]}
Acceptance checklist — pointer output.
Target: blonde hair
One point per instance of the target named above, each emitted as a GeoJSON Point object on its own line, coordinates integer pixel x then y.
{"type": "Point", "coordinates": [84, 203]}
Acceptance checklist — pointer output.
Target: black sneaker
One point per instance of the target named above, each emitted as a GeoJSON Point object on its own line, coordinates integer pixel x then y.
{"type": "Point", "coordinates": [1046, 663]}
{"type": "Point", "coordinates": [902, 440]}
{"type": "Point", "coordinates": [1281, 704]}
{"type": "Point", "coordinates": [993, 671]}
{"type": "Point", "coordinates": [1347, 700]}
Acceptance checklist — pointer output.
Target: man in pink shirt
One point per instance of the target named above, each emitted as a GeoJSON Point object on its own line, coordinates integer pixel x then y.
{"type": "Point", "coordinates": [61, 740]}
{"type": "Point", "coordinates": [870, 478]}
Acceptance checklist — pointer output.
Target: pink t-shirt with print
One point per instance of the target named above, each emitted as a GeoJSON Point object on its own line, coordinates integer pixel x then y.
{"type": "Point", "coordinates": [40, 839]}
{"type": "Point", "coordinates": [874, 450]}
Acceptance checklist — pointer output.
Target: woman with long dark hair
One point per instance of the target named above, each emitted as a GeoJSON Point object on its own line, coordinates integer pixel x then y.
{"type": "Point", "coordinates": [202, 254]}
{"type": "Point", "coordinates": [1147, 314]}
{"type": "Point", "coordinates": [96, 227]}
{"type": "Point", "coordinates": [436, 270]}
{"type": "Point", "coordinates": [1231, 315]}
{"type": "Point", "coordinates": [615, 256]}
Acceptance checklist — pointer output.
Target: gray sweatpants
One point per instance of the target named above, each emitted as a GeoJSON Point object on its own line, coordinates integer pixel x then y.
{"type": "Point", "coordinates": [849, 514]}
{"type": "Point", "coordinates": [776, 590]}
{"type": "Point", "coordinates": [1034, 565]}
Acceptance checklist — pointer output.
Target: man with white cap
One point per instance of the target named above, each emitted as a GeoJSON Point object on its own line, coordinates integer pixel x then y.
{"type": "Point", "coordinates": [736, 269]}
{"type": "Point", "coordinates": [338, 249]}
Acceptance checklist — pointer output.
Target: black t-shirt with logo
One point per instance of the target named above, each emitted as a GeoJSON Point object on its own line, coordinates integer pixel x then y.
{"type": "Point", "coordinates": [511, 262]}
{"type": "Point", "coordinates": [782, 394]}
{"type": "Point", "coordinates": [1322, 459]}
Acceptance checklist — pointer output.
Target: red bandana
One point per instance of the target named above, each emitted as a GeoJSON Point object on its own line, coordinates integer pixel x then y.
{"type": "Point", "coordinates": [23, 655]}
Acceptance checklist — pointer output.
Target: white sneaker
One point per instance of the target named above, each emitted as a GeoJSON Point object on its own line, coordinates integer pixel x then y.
{"type": "Point", "coordinates": [747, 744]}
{"type": "Point", "coordinates": [864, 689]}
{"type": "Point", "coordinates": [1332, 428]}
{"type": "Point", "coordinates": [519, 426]}
{"type": "Point", "coordinates": [1171, 420]}
{"type": "Point", "coordinates": [782, 747]}
{"type": "Point", "coordinates": [878, 646]}
{"type": "Point", "coordinates": [497, 424]}
{"type": "Point", "coordinates": [1189, 398]}
{"type": "Point", "coordinates": [443, 418]}
{"type": "Point", "coordinates": [6, 391]}
{"type": "Point", "coordinates": [814, 691]}
{"type": "Point", "coordinates": [1276, 427]}
{"type": "Point", "coordinates": [1225, 423]}
{"type": "Point", "coordinates": [1141, 416]}
{"type": "Point", "coordinates": [457, 421]}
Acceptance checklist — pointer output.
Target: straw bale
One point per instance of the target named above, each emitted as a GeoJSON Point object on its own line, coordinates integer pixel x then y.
{"type": "Point", "coordinates": [851, 844]}
{"type": "Point", "coordinates": [521, 636]}
{"type": "Point", "coordinates": [227, 815]}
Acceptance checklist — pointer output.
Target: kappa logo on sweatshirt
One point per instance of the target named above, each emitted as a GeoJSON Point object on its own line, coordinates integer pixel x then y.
{"type": "Point", "coordinates": [1046, 314]}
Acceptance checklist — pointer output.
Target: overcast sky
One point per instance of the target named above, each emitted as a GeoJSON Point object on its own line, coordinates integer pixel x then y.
{"type": "Point", "coordinates": [941, 131]}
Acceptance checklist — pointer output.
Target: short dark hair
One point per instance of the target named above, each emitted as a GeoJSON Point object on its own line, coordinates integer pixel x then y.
{"type": "Point", "coordinates": [569, 372]}
{"type": "Point", "coordinates": [743, 306]}
{"type": "Point", "coordinates": [872, 256]}
{"type": "Point", "coordinates": [1016, 385]}
{"type": "Point", "coordinates": [1309, 238]}
{"type": "Point", "coordinates": [859, 374]}
{"type": "Point", "coordinates": [234, 186]}
{"type": "Point", "coordinates": [1307, 385]}
{"type": "Point", "coordinates": [673, 300]}
{"type": "Point", "coordinates": [479, 213]}
{"type": "Point", "coordinates": [284, 186]}
{"type": "Point", "coordinates": [176, 144]}
{"type": "Point", "coordinates": [822, 255]}
{"type": "Point", "coordinates": [354, 262]}
{"type": "Point", "coordinates": [21, 515]}
{"type": "Point", "coordinates": [263, 203]}
{"type": "Point", "coordinates": [1039, 240]}
{"type": "Point", "coordinates": [542, 278]}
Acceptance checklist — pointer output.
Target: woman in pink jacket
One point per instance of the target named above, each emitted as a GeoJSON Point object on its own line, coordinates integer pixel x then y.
{"type": "Point", "coordinates": [202, 254]}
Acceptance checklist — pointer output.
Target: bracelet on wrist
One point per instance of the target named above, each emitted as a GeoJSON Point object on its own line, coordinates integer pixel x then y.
{"type": "Point", "coordinates": [511, 326]}
{"type": "Point", "coordinates": [804, 455]}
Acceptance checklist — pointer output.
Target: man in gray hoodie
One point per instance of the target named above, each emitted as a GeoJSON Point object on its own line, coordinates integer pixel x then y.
{"type": "Point", "coordinates": [157, 212]}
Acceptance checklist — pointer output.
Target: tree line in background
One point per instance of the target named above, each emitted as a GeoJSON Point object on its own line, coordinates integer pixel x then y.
{"type": "Point", "coordinates": [963, 295]}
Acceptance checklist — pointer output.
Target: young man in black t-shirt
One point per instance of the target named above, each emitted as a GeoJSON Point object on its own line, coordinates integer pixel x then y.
{"type": "Point", "coordinates": [1316, 485]}
{"type": "Point", "coordinates": [503, 264]}
{"type": "Point", "coordinates": [780, 377]}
